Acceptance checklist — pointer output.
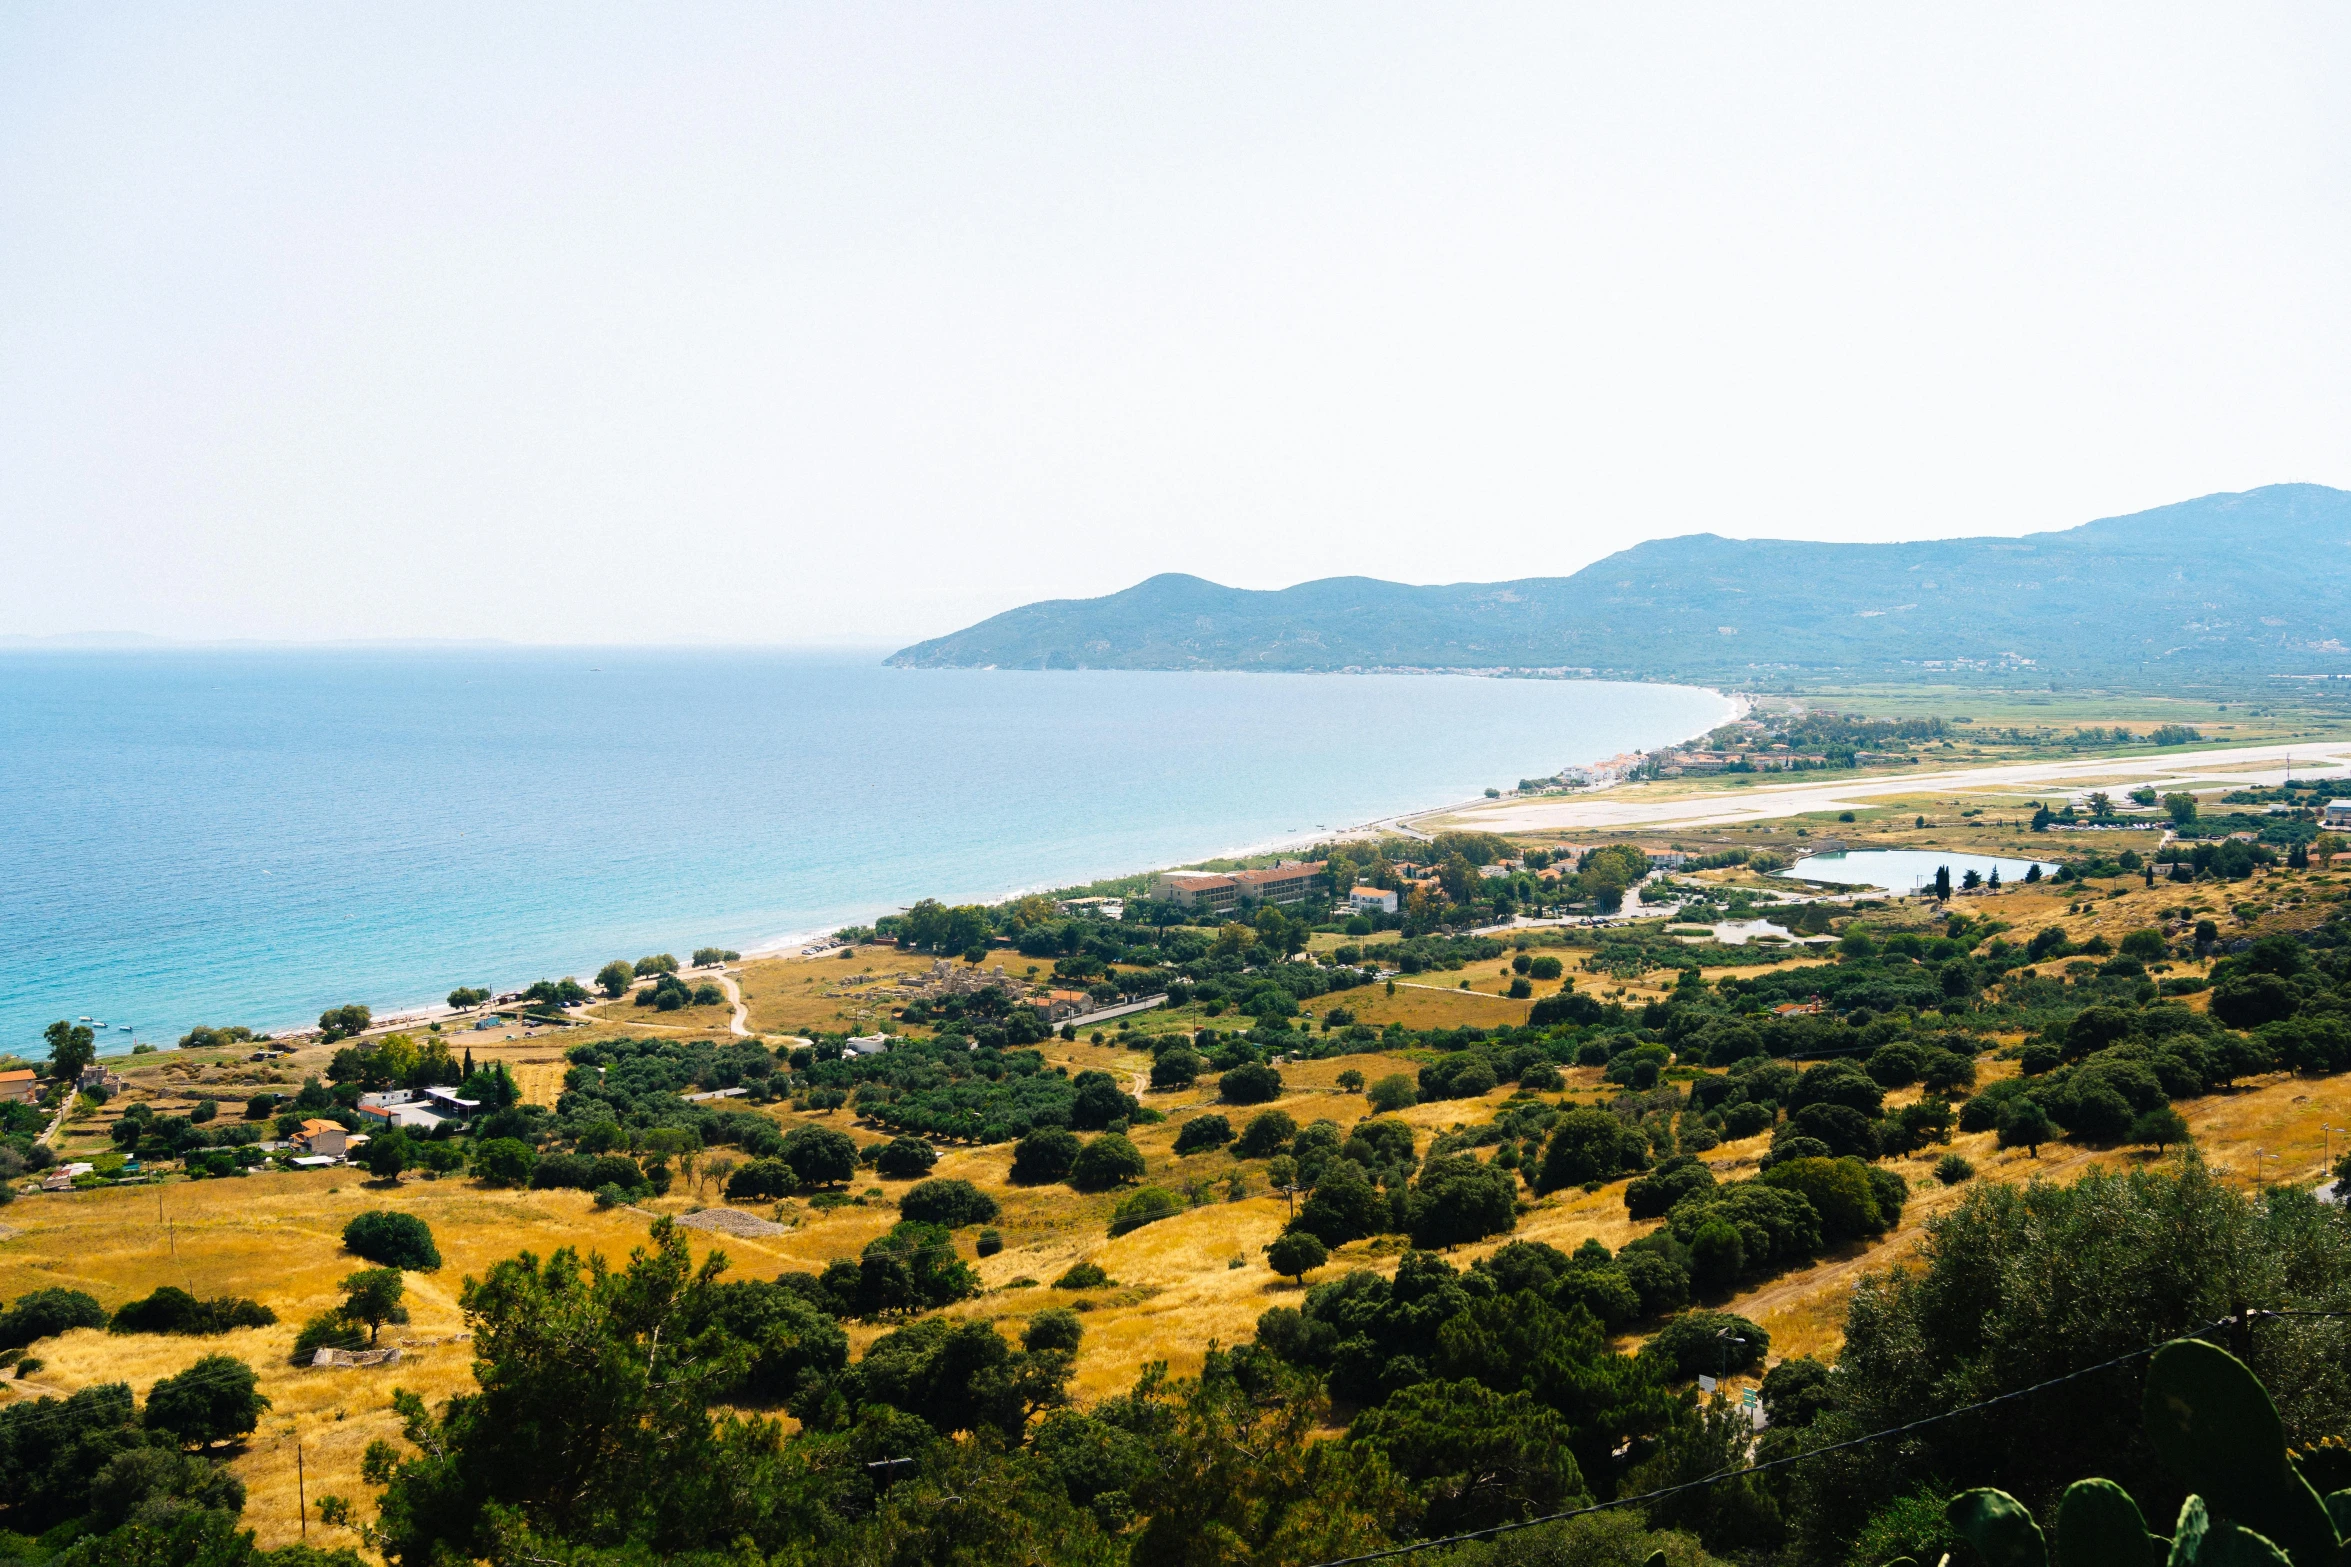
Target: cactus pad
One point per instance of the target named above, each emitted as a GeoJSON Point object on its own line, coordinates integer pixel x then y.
{"type": "Point", "coordinates": [2000, 1527]}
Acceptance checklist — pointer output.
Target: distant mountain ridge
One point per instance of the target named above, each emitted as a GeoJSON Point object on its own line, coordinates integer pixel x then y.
{"type": "Point", "coordinates": [2255, 582]}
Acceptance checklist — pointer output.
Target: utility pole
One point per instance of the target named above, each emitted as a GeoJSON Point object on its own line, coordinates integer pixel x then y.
{"type": "Point", "coordinates": [301, 1491]}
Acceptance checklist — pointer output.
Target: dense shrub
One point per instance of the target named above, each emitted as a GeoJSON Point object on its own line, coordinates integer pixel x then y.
{"type": "Point", "coordinates": [791, 1337]}
{"type": "Point", "coordinates": [762, 1180]}
{"type": "Point", "coordinates": [1838, 1083]}
{"type": "Point", "coordinates": [911, 1269]}
{"type": "Point", "coordinates": [173, 1310]}
{"type": "Point", "coordinates": [1590, 1145]}
{"type": "Point", "coordinates": [614, 1169]}
{"type": "Point", "coordinates": [214, 1400]}
{"type": "Point", "coordinates": [1459, 1199]}
{"type": "Point", "coordinates": [396, 1240]}
{"type": "Point", "coordinates": [1268, 1133]}
{"type": "Point", "coordinates": [563, 1172]}
{"type": "Point", "coordinates": [1744, 1228]}
{"type": "Point", "coordinates": [504, 1161]}
{"type": "Point", "coordinates": [1849, 1196]}
{"type": "Point", "coordinates": [1045, 1154]}
{"type": "Point", "coordinates": [1202, 1133]}
{"type": "Point", "coordinates": [1843, 1130]}
{"type": "Point", "coordinates": [905, 1159]}
{"type": "Point", "coordinates": [1106, 1161]}
{"type": "Point", "coordinates": [1649, 1196]}
{"type": "Point", "coordinates": [1055, 1330]}
{"type": "Point", "coordinates": [820, 1156]}
{"type": "Point", "coordinates": [1176, 1068]}
{"type": "Point", "coordinates": [1096, 1100]}
{"type": "Point", "coordinates": [1082, 1276]}
{"type": "Point", "coordinates": [1707, 1343]}
{"type": "Point", "coordinates": [47, 1313]}
{"type": "Point", "coordinates": [1296, 1254]}
{"type": "Point", "coordinates": [1896, 1065]}
{"type": "Point", "coordinates": [950, 1204]}
{"type": "Point", "coordinates": [1343, 1207]}
{"type": "Point", "coordinates": [1249, 1085]}
{"type": "Point", "coordinates": [1147, 1205]}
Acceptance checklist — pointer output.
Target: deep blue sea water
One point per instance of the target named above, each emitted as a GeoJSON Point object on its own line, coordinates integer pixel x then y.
{"type": "Point", "coordinates": [250, 837]}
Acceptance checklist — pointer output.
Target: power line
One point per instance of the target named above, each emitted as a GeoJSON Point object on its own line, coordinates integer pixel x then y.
{"type": "Point", "coordinates": [2245, 1318]}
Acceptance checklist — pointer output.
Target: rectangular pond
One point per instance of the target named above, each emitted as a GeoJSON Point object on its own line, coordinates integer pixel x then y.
{"type": "Point", "coordinates": [1907, 870]}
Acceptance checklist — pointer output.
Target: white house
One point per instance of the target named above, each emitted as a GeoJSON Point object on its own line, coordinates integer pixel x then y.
{"type": "Point", "coordinates": [2338, 813]}
{"type": "Point", "coordinates": [1372, 900]}
{"type": "Point", "coordinates": [866, 1045]}
{"type": "Point", "coordinates": [408, 1115]}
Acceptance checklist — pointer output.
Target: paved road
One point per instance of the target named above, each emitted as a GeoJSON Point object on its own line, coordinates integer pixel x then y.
{"type": "Point", "coordinates": [1635, 806]}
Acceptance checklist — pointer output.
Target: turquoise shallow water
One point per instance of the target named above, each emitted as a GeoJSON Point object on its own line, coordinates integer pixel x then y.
{"type": "Point", "coordinates": [249, 837]}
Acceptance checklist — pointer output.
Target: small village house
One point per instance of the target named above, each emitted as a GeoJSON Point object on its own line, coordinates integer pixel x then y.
{"type": "Point", "coordinates": [323, 1139]}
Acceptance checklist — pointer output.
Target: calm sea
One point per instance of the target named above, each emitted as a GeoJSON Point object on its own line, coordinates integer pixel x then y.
{"type": "Point", "coordinates": [249, 837]}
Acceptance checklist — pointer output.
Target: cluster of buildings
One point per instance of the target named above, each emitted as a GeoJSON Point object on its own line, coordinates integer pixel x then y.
{"type": "Point", "coordinates": [1292, 881]}
{"type": "Point", "coordinates": [418, 1109]}
{"type": "Point", "coordinates": [23, 1085]}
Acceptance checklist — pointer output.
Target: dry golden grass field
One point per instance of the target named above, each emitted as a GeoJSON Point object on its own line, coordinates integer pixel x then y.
{"type": "Point", "coordinates": [1179, 1285]}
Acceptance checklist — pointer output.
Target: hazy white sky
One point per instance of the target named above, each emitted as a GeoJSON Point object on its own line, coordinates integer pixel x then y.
{"type": "Point", "coordinates": [599, 323]}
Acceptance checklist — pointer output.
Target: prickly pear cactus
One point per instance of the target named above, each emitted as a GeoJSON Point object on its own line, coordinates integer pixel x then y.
{"type": "Point", "coordinates": [2201, 1540]}
{"type": "Point", "coordinates": [2210, 1420]}
{"type": "Point", "coordinates": [2214, 1425]}
{"type": "Point", "coordinates": [2000, 1527]}
{"type": "Point", "coordinates": [2098, 1525]}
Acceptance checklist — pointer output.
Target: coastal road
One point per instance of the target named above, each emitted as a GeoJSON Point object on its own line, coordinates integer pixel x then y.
{"type": "Point", "coordinates": [1633, 806]}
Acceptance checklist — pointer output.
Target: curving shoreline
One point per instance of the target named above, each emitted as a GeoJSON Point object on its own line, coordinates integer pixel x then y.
{"type": "Point", "coordinates": [419, 1012]}
{"type": "Point", "coordinates": [560, 814]}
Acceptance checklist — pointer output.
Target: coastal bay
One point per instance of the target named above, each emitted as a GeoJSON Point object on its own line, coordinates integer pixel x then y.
{"type": "Point", "coordinates": [251, 836]}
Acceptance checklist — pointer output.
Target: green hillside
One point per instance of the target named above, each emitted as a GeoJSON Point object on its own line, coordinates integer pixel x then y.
{"type": "Point", "coordinates": [2228, 585]}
